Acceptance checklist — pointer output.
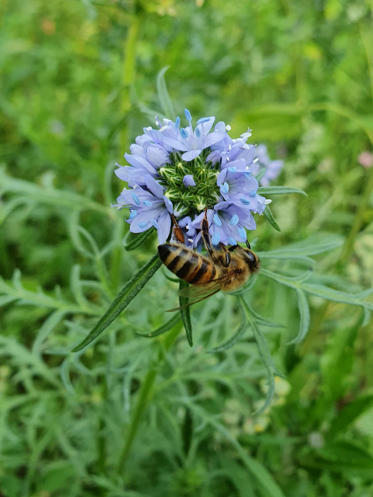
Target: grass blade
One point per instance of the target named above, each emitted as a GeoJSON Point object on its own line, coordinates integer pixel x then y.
{"type": "Point", "coordinates": [185, 314]}
{"type": "Point", "coordinates": [123, 299]}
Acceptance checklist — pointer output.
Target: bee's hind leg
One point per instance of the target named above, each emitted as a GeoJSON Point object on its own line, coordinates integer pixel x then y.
{"type": "Point", "coordinates": [177, 231]}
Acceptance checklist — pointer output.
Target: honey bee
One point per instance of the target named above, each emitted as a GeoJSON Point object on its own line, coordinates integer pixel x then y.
{"type": "Point", "coordinates": [225, 269]}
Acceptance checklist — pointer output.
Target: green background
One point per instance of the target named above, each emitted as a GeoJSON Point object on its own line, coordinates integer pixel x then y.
{"type": "Point", "coordinates": [78, 84]}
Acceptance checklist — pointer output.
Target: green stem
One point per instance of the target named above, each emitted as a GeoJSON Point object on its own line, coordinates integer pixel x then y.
{"type": "Point", "coordinates": [128, 80]}
{"type": "Point", "coordinates": [144, 397]}
{"type": "Point", "coordinates": [128, 75]}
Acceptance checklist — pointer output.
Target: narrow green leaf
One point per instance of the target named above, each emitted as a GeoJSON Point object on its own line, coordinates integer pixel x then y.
{"type": "Point", "coordinates": [265, 355]}
{"type": "Point", "coordinates": [168, 325]}
{"type": "Point", "coordinates": [316, 244]}
{"type": "Point", "coordinates": [163, 96]}
{"type": "Point", "coordinates": [279, 190]}
{"type": "Point", "coordinates": [319, 290]}
{"type": "Point", "coordinates": [48, 326]}
{"type": "Point", "coordinates": [185, 314]}
{"type": "Point", "coordinates": [304, 313]}
{"type": "Point", "coordinates": [366, 318]}
{"type": "Point", "coordinates": [134, 240]}
{"type": "Point", "coordinates": [269, 216]}
{"type": "Point", "coordinates": [263, 321]}
{"type": "Point", "coordinates": [7, 299]}
{"type": "Point", "coordinates": [233, 339]}
{"type": "Point", "coordinates": [123, 299]}
{"type": "Point", "coordinates": [349, 414]}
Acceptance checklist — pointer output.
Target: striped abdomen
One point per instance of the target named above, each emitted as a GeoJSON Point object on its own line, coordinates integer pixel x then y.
{"type": "Point", "coordinates": [187, 264]}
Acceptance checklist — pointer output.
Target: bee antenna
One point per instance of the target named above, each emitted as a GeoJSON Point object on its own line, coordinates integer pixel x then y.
{"type": "Point", "coordinates": [248, 245]}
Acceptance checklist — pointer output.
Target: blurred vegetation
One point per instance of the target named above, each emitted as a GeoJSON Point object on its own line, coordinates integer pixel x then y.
{"type": "Point", "coordinates": [78, 84]}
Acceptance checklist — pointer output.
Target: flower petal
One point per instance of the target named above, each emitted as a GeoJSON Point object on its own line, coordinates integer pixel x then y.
{"type": "Point", "coordinates": [154, 186]}
{"type": "Point", "coordinates": [192, 154]}
{"type": "Point", "coordinates": [164, 226]}
{"type": "Point", "coordinates": [188, 180]}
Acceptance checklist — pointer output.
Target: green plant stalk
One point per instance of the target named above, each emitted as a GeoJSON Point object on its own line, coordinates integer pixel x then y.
{"type": "Point", "coordinates": [128, 79]}
{"type": "Point", "coordinates": [144, 396]}
{"type": "Point", "coordinates": [128, 75]}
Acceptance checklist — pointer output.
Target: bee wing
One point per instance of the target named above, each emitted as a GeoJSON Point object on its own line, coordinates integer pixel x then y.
{"type": "Point", "coordinates": [197, 294]}
{"type": "Point", "coordinates": [194, 292]}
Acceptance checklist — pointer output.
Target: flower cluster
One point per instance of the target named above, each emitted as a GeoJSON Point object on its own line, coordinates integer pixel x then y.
{"type": "Point", "coordinates": [185, 171]}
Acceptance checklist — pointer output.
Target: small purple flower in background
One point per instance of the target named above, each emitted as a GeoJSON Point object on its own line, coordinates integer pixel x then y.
{"type": "Point", "coordinates": [366, 159]}
{"type": "Point", "coordinates": [272, 168]}
{"type": "Point", "coordinates": [187, 171]}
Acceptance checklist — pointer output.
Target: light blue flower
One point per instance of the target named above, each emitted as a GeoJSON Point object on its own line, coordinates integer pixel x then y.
{"type": "Point", "coordinates": [272, 168]}
{"type": "Point", "coordinates": [187, 171]}
{"type": "Point", "coordinates": [148, 207]}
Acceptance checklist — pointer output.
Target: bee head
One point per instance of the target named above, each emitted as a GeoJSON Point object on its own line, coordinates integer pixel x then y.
{"type": "Point", "coordinates": [252, 260]}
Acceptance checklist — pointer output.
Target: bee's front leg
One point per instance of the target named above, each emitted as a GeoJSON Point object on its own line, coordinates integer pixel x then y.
{"type": "Point", "coordinates": [226, 256]}
{"type": "Point", "coordinates": [177, 231]}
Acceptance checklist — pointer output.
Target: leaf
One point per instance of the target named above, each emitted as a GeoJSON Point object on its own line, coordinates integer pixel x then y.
{"type": "Point", "coordinates": [343, 457]}
{"type": "Point", "coordinates": [234, 339]}
{"type": "Point", "coordinates": [279, 190]}
{"type": "Point", "coordinates": [313, 245]}
{"type": "Point", "coordinates": [349, 414]}
{"type": "Point", "coordinates": [263, 479]}
{"type": "Point", "coordinates": [262, 321]}
{"type": "Point", "coordinates": [48, 326]}
{"type": "Point", "coordinates": [265, 355]}
{"type": "Point", "coordinates": [134, 240]}
{"type": "Point", "coordinates": [273, 121]}
{"type": "Point", "coordinates": [123, 299]}
{"type": "Point", "coordinates": [162, 329]}
{"type": "Point", "coordinates": [185, 313]}
{"type": "Point", "coordinates": [52, 196]}
{"type": "Point", "coordinates": [163, 96]}
{"type": "Point", "coordinates": [319, 290]}
{"type": "Point", "coordinates": [304, 312]}
{"type": "Point", "coordinates": [269, 216]}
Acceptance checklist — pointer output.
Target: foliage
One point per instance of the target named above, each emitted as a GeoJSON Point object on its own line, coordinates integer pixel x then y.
{"type": "Point", "coordinates": [138, 416]}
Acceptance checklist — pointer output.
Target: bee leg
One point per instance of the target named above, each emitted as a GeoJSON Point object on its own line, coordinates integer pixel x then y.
{"type": "Point", "coordinates": [226, 258]}
{"type": "Point", "coordinates": [206, 238]}
{"type": "Point", "coordinates": [248, 244]}
{"type": "Point", "coordinates": [177, 231]}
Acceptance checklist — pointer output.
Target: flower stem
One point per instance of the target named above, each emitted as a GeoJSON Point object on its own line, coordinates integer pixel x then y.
{"type": "Point", "coordinates": [144, 396]}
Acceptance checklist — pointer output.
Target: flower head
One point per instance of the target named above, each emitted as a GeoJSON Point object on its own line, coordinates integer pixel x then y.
{"type": "Point", "coordinates": [366, 159]}
{"type": "Point", "coordinates": [186, 171]}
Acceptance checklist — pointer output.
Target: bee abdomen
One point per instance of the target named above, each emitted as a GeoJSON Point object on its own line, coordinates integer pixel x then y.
{"type": "Point", "coordinates": [186, 264]}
